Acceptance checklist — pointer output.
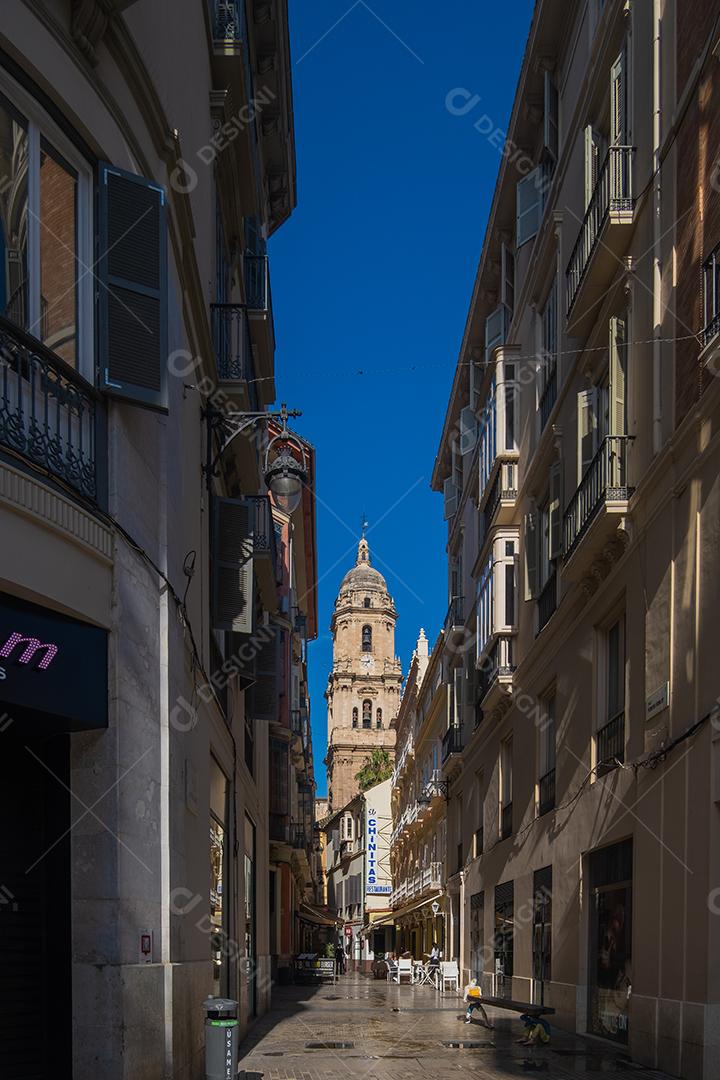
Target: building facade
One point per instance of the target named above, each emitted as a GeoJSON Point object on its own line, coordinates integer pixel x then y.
{"type": "Point", "coordinates": [363, 692]}
{"type": "Point", "coordinates": [579, 464]}
{"type": "Point", "coordinates": [153, 631]}
{"type": "Point", "coordinates": [419, 805]}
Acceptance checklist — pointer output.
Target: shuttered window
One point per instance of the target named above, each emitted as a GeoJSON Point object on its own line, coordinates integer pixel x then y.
{"type": "Point", "coordinates": [263, 698]}
{"type": "Point", "coordinates": [233, 566]}
{"type": "Point", "coordinates": [132, 297]}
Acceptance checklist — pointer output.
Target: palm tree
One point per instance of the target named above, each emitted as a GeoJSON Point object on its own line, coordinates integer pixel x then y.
{"type": "Point", "coordinates": [377, 767]}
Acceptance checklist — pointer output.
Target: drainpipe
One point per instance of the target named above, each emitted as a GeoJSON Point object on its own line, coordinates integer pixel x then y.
{"type": "Point", "coordinates": [656, 262]}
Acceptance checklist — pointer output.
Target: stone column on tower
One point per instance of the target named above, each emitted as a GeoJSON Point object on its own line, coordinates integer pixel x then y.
{"type": "Point", "coordinates": [363, 691]}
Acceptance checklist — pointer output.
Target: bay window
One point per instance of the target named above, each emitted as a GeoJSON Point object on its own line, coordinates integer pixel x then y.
{"type": "Point", "coordinates": [499, 421]}
{"type": "Point", "coordinates": [496, 592]}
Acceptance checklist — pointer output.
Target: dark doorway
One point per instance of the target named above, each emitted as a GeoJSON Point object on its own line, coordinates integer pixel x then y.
{"type": "Point", "coordinates": [35, 949]}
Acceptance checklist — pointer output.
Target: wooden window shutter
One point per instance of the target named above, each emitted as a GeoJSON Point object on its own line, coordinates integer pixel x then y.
{"type": "Point", "coordinates": [233, 566]}
{"type": "Point", "coordinates": [555, 502]}
{"type": "Point", "coordinates": [551, 136]}
{"type": "Point", "coordinates": [496, 327]}
{"type": "Point", "coordinates": [595, 150]}
{"type": "Point", "coordinates": [468, 430]}
{"type": "Point", "coordinates": [264, 695]}
{"type": "Point", "coordinates": [618, 376]}
{"type": "Point", "coordinates": [507, 278]}
{"type": "Point", "coordinates": [587, 428]}
{"type": "Point", "coordinates": [531, 545]}
{"type": "Point", "coordinates": [618, 100]}
{"type": "Point", "coordinates": [530, 200]}
{"type": "Point", "coordinates": [451, 498]}
{"type": "Point", "coordinates": [132, 294]}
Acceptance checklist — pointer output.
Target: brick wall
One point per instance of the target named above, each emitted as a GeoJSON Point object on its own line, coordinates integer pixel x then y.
{"type": "Point", "coordinates": [698, 188]}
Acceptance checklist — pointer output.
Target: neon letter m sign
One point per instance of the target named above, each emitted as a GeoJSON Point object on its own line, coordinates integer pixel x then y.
{"type": "Point", "coordinates": [30, 646]}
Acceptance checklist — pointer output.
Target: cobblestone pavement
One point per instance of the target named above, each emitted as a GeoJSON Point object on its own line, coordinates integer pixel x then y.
{"type": "Point", "coordinates": [399, 1033]}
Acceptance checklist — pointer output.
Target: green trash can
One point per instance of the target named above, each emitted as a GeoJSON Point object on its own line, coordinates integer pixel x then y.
{"type": "Point", "coordinates": [221, 1038]}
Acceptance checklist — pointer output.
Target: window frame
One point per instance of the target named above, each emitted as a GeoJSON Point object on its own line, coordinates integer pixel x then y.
{"type": "Point", "coordinates": [42, 128]}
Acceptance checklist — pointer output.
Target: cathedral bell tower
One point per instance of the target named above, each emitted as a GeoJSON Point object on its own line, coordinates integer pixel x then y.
{"type": "Point", "coordinates": [363, 692]}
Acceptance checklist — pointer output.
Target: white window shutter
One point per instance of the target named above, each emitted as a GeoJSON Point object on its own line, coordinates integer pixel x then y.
{"type": "Point", "coordinates": [618, 376]}
{"type": "Point", "coordinates": [587, 429]}
{"type": "Point", "coordinates": [531, 543]}
{"type": "Point", "coordinates": [233, 566]}
{"type": "Point", "coordinates": [551, 137]}
{"type": "Point", "coordinates": [450, 495]}
{"type": "Point", "coordinates": [618, 100]}
{"type": "Point", "coordinates": [529, 206]}
{"type": "Point", "coordinates": [507, 278]}
{"type": "Point", "coordinates": [595, 150]}
{"type": "Point", "coordinates": [495, 330]}
{"type": "Point", "coordinates": [555, 505]}
{"type": "Point", "coordinates": [468, 430]}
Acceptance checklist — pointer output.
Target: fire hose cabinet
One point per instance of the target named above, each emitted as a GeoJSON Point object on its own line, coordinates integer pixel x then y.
{"type": "Point", "coordinates": [221, 1039]}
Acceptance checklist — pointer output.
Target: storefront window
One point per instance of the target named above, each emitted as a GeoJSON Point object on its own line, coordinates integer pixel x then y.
{"type": "Point", "coordinates": [250, 917]}
{"type": "Point", "coordinates": [610, 941]}
{"type": "Point", "coordinates": [477, 935]}
{"type": "Point", "coordinates": [504, 938]}
{"type": "Point", "coordinates": [218, 877]}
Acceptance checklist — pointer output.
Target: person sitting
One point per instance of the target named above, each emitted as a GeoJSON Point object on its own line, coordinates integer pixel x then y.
{"type": "Point", "coordinates": [434, 958]}
{"type": "Point", "coordinates": [471, 997]}
{"type": "Point", "coordinates": [537, 1031]}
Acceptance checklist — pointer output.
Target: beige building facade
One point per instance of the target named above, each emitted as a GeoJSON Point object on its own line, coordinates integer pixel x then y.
{"type": "Point", "coordinates": [363, 691]}
{"type": "Point", "coordinates": [579, 463]}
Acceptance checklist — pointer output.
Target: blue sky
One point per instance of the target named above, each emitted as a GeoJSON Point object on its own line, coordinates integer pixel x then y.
{"type": "Point", "coordinates": [372, 275]}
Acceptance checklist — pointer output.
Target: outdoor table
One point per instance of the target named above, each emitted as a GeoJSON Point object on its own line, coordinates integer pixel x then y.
{"type": "Point", "coordinates": [425, 975]}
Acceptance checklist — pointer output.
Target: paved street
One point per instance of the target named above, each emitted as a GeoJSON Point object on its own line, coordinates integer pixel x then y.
{"type": "Point", "coordinates": [396, 1033]}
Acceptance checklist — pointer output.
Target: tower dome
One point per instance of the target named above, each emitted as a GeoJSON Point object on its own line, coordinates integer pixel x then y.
{"type": "Point", "coordinates": [363, 575]}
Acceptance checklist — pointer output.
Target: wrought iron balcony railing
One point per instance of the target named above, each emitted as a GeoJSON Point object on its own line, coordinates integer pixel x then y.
{"type": "Point", "coordinates": [613, 193]}
{"type": "Point", "coordinates": [503, 487]}
{"type": "Point", "coordinates": [611, 743]}
{"type": "Point", "coordinates": [546, 792]}
{"type": "Point", "coordinates": [548, 396]}
{"type": "Point", "coordinates": [299, 838]}
{"type": "Point", "coordinates": [49, 414]}
{"type": "Point", "coordinates": [228, 20]}
{"type": "Point", "coordinates": [499, 661]}
{"type": "Point", "coordinates": [455, 614]}
{"type": "Point", "coordinates": [452, 742]}
{"type": "Point", "coordinates": [257, 282]}
{"type": "Point", "coordinates": [606, 478]}
{"type": "Point", "coordinates": [233, 346]}
{"type": "Point", "coordinates": [547, 601]}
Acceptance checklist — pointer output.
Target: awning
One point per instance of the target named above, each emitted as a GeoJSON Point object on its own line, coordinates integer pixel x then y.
{"type": "Point", "coordinates": [407, 910]}
{"type": "Point", "coordinates": [317, 916]}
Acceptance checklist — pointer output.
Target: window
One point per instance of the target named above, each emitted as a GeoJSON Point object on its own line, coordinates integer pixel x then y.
{"type": "Point", "coordinates": [542, 933]}
{"type": "Point", "coordinates": [531, 191]}
{"type": "Point", "coordinates": [549, 352]}
{"type": "Point", "coordinates": [611, 733]}
{"type": "Point", "coordinates": [551, 132]}
{"type": "Point", "coordinates": [496, 328]}
{"type": "Point", "coordinates": [367, 714]}
{"type": "Point", "coordinates": [355, 718]}
{"type": "Point", "coordinates": [366, 602]}
{"type": "Point", "coordinates": [506, 788]}
{"type": "Point", "coordinates": [546, 762]}
{"type": "Point", "coordinates": [46, 232]}
{"type": "Point", "coordinates": [711, 296]}
{"type": "Point", "coordinates": [367, 639]}
{"type": "Point", "coordinates": [219, 877]}
{"type": "Point", "coordinates": [378, 718]}
{"type": "Point", "coordinates": [479, 814]}
{"type": "Point", "coordinates": [503, 938]}
{"type": "Point", "coordinates": [496, 593]}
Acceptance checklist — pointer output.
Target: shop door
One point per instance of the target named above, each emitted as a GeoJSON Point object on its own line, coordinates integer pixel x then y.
{"type": "Point", "coordinates": [250, 917]}
{"type": "Point", "coordinates": [504, 938]}
{"type": "Point", "coordinates": [35, 958]}
{"type": "Point", "coordinates": [542, 934]}
{"type": "Point", "coordinates": [477, 935]}
{"type": "Point", "coordinates": [610, 982]}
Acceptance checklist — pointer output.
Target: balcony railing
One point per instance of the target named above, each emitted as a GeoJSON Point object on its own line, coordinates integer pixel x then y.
{"type": "Point", "coordinates": [613, 193]}
{"type": "Point", "coordinates": [499, 661]}
{"type": "Point", "coordinates": [49, 414]}
{"type": "Point", "coordinates": [455, 614]}
{"type": "Point", "coordinates": [546, 792]}
{"type": "Point", "coordinates": [299, 838]}
{"type": "Point", "coordinates": [548, 396]}
{"type": "Point", "coordinates": [503, 487]}
{"type": "Point", "coordinates": [506, 821]}
{"type": "Point", "coordinates": [547, 601]}
{"type": "Point", "coordinates": [233, 347]}
{"type": "Point", "coordinates": [611, 743]}
{"type": "Point", "coordinates": [228, 19]}
{"type": "Point", "coordinates": [452, 742]}
{"type": "Point", "coordinates": [278, 825]}
{"type": "Point", "coordinates": [605, 478]}
{"type": "Point", "coordinates": [257, 282]}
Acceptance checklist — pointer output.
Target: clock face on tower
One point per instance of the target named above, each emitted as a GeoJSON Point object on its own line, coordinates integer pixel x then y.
{"type": "Point", "coordinates": [367, 663]}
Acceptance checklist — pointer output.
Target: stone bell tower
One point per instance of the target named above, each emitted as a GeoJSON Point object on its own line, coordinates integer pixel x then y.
{"type": "Point", "coordinates": [363, 691]}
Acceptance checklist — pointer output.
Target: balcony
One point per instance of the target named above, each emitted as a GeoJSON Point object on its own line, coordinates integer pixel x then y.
{"type": "Point", "coordinates": [602, 240]}
{"type": "Point", "coordinates": [234, 355]}
{"type": "Point", "coordinates": [260, 316]}
{"type": "Point", "coordinates": [299, 837]}
{"type": "Point", "coordinates": [496, 668]}
{"type": "Point", "coordinates": [454, 620]}
{"type": "Point", "coordinates": [611, 744]}
{"type": "Point", "coordinates": [547, 601]}
{"type": "Point", "coordinates": [418, 883]}
{"type": "Point", "coordinates": [452, 743]}
{"type": "Point", "coordinates": [50, 415]}
{"type": "Point", "coordinates": [546, 792]}
{"type": "Point", "coordinates": [499, 505]}
{"type": "Point", "coordinates": [596, 508]}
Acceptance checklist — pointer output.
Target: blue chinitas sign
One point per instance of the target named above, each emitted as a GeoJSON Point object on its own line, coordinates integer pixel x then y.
{"type": "Point", "coordinates": [53, 670]}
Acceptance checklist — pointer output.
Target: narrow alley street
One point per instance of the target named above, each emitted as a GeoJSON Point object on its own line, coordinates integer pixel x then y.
{"type": "Point", "coordinates": [371, 1030]}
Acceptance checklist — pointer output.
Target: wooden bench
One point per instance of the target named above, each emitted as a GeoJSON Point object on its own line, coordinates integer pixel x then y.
{"type": "Point", "coordinates": [508, 1003]}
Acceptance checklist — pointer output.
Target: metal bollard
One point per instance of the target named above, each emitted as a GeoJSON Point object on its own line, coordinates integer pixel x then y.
{"type": "Point", "coordinates": [221, 1039]}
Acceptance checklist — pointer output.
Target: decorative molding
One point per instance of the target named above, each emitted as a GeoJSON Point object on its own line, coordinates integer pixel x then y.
{"type": "Point", "coordinates": [23, 494]}
{"type": "Point", "coordinates": [90, 20]}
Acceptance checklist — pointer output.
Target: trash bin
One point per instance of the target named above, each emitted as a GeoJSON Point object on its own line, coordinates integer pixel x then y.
{"type": "Point", "coordinates": [221, 1039]}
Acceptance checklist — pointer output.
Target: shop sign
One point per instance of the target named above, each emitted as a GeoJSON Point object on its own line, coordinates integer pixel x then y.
{"type": "Point", "coordinates": [657, 701]}
{"type": "Point", "coordinates": [372, 885]}
{"type": "Point", "coordinates": [53, 669]}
